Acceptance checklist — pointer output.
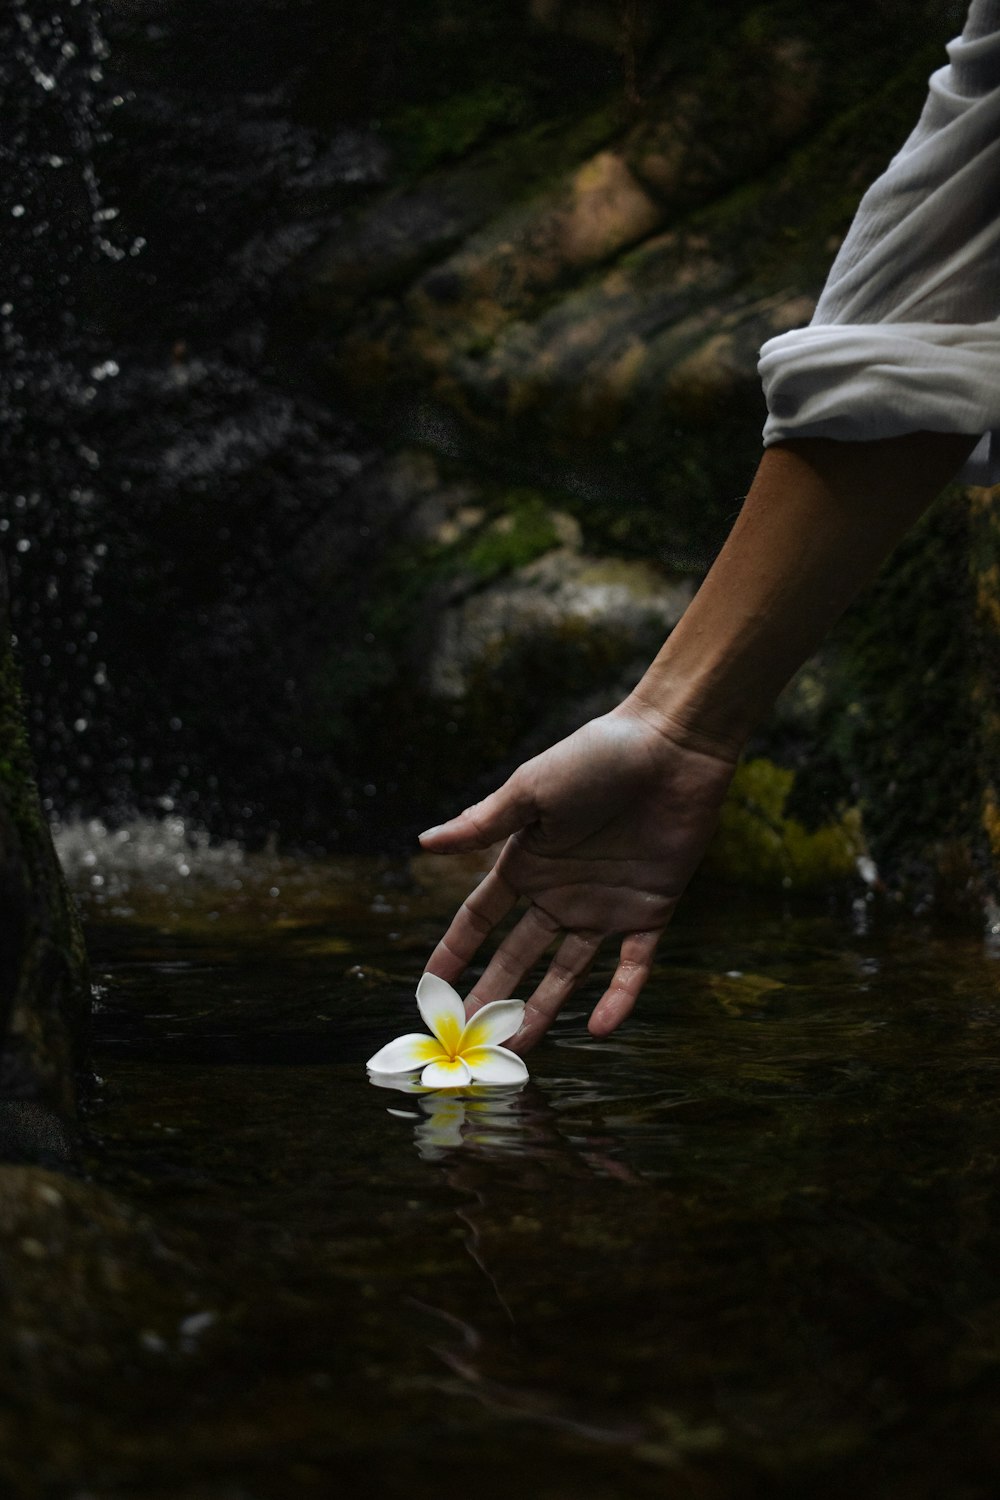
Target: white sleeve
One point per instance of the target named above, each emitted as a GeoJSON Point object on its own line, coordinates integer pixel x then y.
{"type": "Point", "coordinates": [906, 335]}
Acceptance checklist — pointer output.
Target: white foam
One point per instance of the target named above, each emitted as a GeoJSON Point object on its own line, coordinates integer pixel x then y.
{"type": "Point", "coordinates": [158, 853]}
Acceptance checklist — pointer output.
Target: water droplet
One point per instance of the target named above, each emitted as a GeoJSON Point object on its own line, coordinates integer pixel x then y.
{"type": "Point", "coordinates": [197, 1323]}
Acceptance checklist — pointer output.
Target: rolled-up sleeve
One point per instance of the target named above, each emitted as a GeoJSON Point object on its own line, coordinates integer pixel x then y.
{"type": "Point", "coordinates": [906, 334]}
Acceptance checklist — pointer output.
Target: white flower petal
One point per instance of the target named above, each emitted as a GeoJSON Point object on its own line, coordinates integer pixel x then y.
{"type": "Point", "coordinates": [494, 1023]}
{"type": "Point", "coordinates": [494, 1065]}
{"type": "Point", "coordinates": [406, 1053]}
{"type": "Point", "coordinates": [402, 1083]}
{"type": "Point", "coordinates": [442, 1010]}
{"type": "Point", "coordinates": [446, 1073]}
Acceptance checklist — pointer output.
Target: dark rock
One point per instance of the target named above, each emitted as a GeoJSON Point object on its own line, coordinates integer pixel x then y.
{"type": "Point", "coordinates": [44, 993]}
{"type": "Point", "coordinates": [31, 1133]}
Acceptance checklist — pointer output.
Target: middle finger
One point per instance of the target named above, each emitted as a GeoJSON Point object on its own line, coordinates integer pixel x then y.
{"type": "Point", "coordinates": [521, 948]}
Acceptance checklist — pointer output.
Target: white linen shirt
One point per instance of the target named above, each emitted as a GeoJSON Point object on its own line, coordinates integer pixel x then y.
{"type": "Point", "coordinates": [906, 334]}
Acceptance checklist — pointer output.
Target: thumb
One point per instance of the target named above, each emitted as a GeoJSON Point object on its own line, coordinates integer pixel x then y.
{"type": "Point", "coordinates": [499, 815]}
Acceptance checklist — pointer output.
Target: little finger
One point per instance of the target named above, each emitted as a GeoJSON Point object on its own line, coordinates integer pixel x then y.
{"type": "Point", "coordinates": [634, 964]}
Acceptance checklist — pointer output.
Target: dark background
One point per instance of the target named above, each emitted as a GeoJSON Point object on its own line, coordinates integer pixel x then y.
{"type": "Point", "coordinates": [260, 329]}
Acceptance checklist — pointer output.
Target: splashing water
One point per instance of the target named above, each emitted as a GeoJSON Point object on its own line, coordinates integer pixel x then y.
{"type": "Point", "coordinates": [162, 480]}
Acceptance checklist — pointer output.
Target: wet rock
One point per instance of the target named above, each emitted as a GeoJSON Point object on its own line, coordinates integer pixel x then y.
{"type": "Point", "coordinates": [387, 243]}
{"type": "Point", "coordinates": [539, 247]}
{"type": "Point", "coordinates": [497, 626]}
{"type": "Point", "coordinates": [899, 717]}
{"type": "Point", "coordinates": [31, 1133]}
{"type": "Point", "coordinates": [603, 301]}
{"type": "Point", "coordinates": [84, 1276]}
{"type": "Point", "coordinates": [595, 213]}
{"type": "Point", "coordinates": [984, 514]}
{"type": "Point", "coordinates": [44, 994]}
{"type": "Point", "coordinates": [563, 591]}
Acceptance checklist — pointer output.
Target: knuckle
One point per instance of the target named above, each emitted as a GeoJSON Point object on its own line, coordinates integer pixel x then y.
{"type": "Point", "coordinates": [549, 925]}
{"type": "Point", "coordinates": [506, 962]}
{"type": "Point", "coordinates": [476, 817]}
{"type": "Point", "coordinates": [451, 951]}
{"type": "Point", "coordinates": [476, 919]}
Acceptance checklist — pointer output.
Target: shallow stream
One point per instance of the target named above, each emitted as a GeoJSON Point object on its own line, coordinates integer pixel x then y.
{"type": "Point", "coordinates": [747, 1247]}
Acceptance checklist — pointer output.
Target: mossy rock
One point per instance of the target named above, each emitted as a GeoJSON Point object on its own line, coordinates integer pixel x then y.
{"type": "Point", "coordinates": [984, 521]}
{"type": "Point", "coordinates": [586, 293]}
{"type": "Point", "coordinates": [758, 844]}
{"type": "Point", "coordinates": [919, 703]}
{"type": "Point", "coordinates": [524, 532]}
{"type": "Point", "coordinates": [905, 721]}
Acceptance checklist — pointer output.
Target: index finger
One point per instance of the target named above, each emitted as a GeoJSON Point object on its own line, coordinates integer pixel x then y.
{"type": "Point", "coordinates": [475, 919]}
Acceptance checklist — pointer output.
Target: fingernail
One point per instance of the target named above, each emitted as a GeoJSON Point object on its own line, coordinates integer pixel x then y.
{"type": "Point", "coordinates": [430, 832]}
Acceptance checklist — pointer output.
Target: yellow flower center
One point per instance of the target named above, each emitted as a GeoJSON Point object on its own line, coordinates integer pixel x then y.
{"type": "Point", "coordinates": [449, 1035]}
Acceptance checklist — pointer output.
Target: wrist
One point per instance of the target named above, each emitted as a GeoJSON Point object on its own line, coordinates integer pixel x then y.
{"type": "Point", "coordinates": [675, 715]}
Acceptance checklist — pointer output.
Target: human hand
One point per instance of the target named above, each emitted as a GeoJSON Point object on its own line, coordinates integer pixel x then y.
{"type": "Point", "coordinates": [603, 833]}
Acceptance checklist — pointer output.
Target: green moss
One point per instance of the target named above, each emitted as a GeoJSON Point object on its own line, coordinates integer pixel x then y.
{"type": "Point", "coordinates": [516, 529]}
{"type": "Point", "coordinates": [758, 844]}
{"type": "Point", "coordinates": [429, 135]}
{"type": "Point", "coordinates": [522, 533]}
{"type": "Point", "coordinates": [908, 729]}
{"type": "Point", "coordinates": [910, 726]}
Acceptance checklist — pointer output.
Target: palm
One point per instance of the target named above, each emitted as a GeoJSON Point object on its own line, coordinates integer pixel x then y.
{"type": "Point", "coordinates": [608, 826]}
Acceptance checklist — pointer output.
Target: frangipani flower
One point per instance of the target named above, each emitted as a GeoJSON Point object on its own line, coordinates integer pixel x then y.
{"type": "Point", "coordinates": [460, 1051]}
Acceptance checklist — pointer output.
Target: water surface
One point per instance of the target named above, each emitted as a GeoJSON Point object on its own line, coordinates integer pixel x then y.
{"type": "Point", "coordinates": [746, 1247]}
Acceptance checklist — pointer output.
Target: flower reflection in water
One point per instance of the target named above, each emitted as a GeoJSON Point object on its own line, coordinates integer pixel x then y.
{"type": "Point", "coordinates": [446, 1119]}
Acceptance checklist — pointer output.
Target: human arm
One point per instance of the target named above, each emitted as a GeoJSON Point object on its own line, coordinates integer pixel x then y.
{"type": "Point", "coordinates": [604, 830]}
{"type": "Point", "coordinates": [872, 409]}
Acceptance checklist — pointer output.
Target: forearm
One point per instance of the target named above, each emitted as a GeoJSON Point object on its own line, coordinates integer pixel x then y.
{"type": "Point", "coordinates": [819, 520]}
